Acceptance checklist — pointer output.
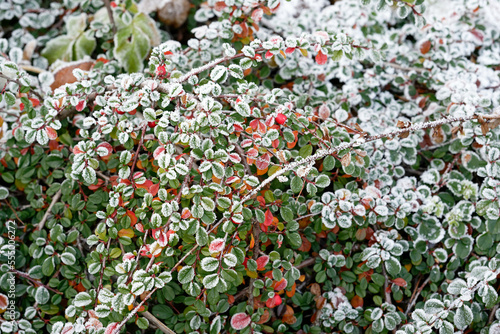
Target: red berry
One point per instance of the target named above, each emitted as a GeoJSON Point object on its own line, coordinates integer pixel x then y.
{"type": "Point", "coordinates": [281, 119]}
{"type": "Point", "coordinates": [152, 124]}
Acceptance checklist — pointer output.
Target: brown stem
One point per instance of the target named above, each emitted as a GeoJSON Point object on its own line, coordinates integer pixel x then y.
{"type": "Point", "coordinates": [14, 211]}
{"type": "Point", "coordinates": [306, 263]}
{"type": "Point", "coordinates": [32, 90]}
{"type": "Point", "coordinates": [161, 326]}
{"type": "Point", "coordinates": [31, 279]}
{"type": "Point", "coordinates": [110, 14]}
{"type": "Point", "coordinates": [136, 309]}
{"type": "Point", "coordinates": [102, 272]}
{"type": "Point", "coordinates": [387, 294]}
{"type": "Point", "coordinates": [141, 141]}
{"type": "Point", "coordinates": [241, 153]}
{"type": "Point", "coordinates": [415, 295]}
{"type": "Point", "coordinates": [256, 248]}
{"type": "Point", "coordinates": [46, 215]}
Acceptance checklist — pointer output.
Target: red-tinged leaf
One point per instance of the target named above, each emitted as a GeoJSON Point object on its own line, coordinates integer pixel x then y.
{"type": "Point", "coordinates": [34, 101]}
{"type": "Point", "coordinates": [263, 161]}
{"type": "Point", "coordinates": [269, 55]}
{"type": "Point", "coordinates": [246, 143]}
{"type": "Point", "coordinates": [291, 293]}
{"type": "Point", "coordinates": [425, 47]}
{"type": "Point", "coordinates": [159, 150]}
{"type": "Point", "coordinates": [269, 218]}
{"type": "Point", "coordinates": [400, 282]}
{"type": "Point", "coordinates": [321, 58]}
{"type": "Point", "coordinates": [273, 302]}
{"type": "Point", "coordinates": [306, 244]}
{"type": "Point", "coordinates": [235, 158]}
{"type": "Point", "coordinates": [238, 127]}
{"type": "Point", "coordinates": [139, 227]}
{"type": "Point", "coordinates": [111, 328]}
{"type": "Point", "coordinates": [265, 317]}
{"type": "Point", "coordinates": [477, 34]}
{"type": "Point", "coordinates": [96, 186]}
{"type": "Point", "coordinates": [276, 143]}
{"type": "Point", "coordinates": [357, 301]}
{"type": "Point", "coordinates": [289, 316]}
{"type": "Point", "coordinates": [80, 105]}
{"type": "Point", "coordinates": [144, 185]}
{"type": "Point", "coordinates": [289, 50]}
{"type": "Point", "coordinates": [252, 153]}
{"type": "Point", "coordinates": [68, 329]}
{"type": "Point", "coordinates": [254, 124]}
{"type": "Point", "coordinates": [257, 14]}
{"type": "Point", "coordinates": [108, 147]}
{"type": "Point", "coordinates": [240, 321]}
{"type": "Point", "coordinates": [51, 133]}
{"type": "Point", "coordinates": [230, 299]}
{"type": "Point", "coordinates": [185, 213]}
{"type": "Point", "coordinates": [262, 127]}
{"type": "Point", "coordinates": [281, 285]}
{"type": "Point", "coordinates": [21, 106]}
{"type": "Point", "coordinates": [153, 189]}
{"type": "Point", "coordinates": [216, 246]}
{"type": "Point", "coordinates": [137, 175]}
{"type": "Point", "coordinates": [261, 201]}
{"type": "Point", "coordinates": [76, 150]}
{"type": "Point", "coordinates": [261, 262]}
{"type": "Point", "coordinates": [132, 216]}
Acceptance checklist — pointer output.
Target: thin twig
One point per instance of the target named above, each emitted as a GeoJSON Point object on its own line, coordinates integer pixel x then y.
{"type": "Point", "coordinates": [346, 145]}
{"type": "Point", "coordinates": [306, 263]}
{"type": "Point", "coordinates": [407, 69]}
{"type": "Point", "coordinates": [136, 309]}
{"type": "Point", "coordinates": [161, 326]}
{"type": "Point", "coordinates": [110, 14]}
{"type": "Point", "coordinates": [256, 248]}
{"type": "Point", "coordinates": [141, 141]}
{"type": "Point", "coordinates": [387, 294]}
{"type": "Point", "coordinates": [32, 90]}
{"type": "Point", "coordinates": [29, 68]}
{"type": "Point", "coordinates": [241, 153]}
{"type": "Point", "coordinates": [415, 295]}
{"type": "Point", "coordinates": [14, 211]}
{"type": "Point", "coordinates": [492, 314]}
{"type": "Point", "coordinates": [46, 215]}
{"type": "Point", "coordinates": [102, 271]}
{"type": "Point", "coordinates": [101, 175]}
{"type": "Point", "coordinates": [31, 279]}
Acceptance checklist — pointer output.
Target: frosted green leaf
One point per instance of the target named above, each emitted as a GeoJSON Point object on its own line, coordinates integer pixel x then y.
{"type": "Point", "coordinates": [211, 281]}
{"type": "Point", "coordinates": [82, 299]}
{"type": "Point", "coordinates": [186, 275]}
{"type": "Point", "coordinates": [463, 317]}
{"type": "Point", "coordinates": [42, 295]}
{"type": "Point", "coordinates": [392, 266]}
{"type": "Point", "coordinates": [209, 264]}
{"type": "Point", "coordinates": [433, 306]}
{"type": "Point", "coordinates": [68, 258]}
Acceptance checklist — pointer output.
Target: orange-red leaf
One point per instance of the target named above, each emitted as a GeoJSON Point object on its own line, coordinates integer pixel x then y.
{"type": "Point", "coordinates": [425, 47]}
{"type": "Point", "coordinates": [400, 282]}
{"type": "Point", "coordinates": [357, 301]}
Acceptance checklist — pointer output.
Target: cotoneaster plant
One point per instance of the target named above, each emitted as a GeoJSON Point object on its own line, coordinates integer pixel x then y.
{"type": "Point", "coordinates": [292, 167]}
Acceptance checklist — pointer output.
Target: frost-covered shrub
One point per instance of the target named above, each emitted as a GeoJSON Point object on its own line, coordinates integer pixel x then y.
{"type": "Point", "coordinates": [291, 167]}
